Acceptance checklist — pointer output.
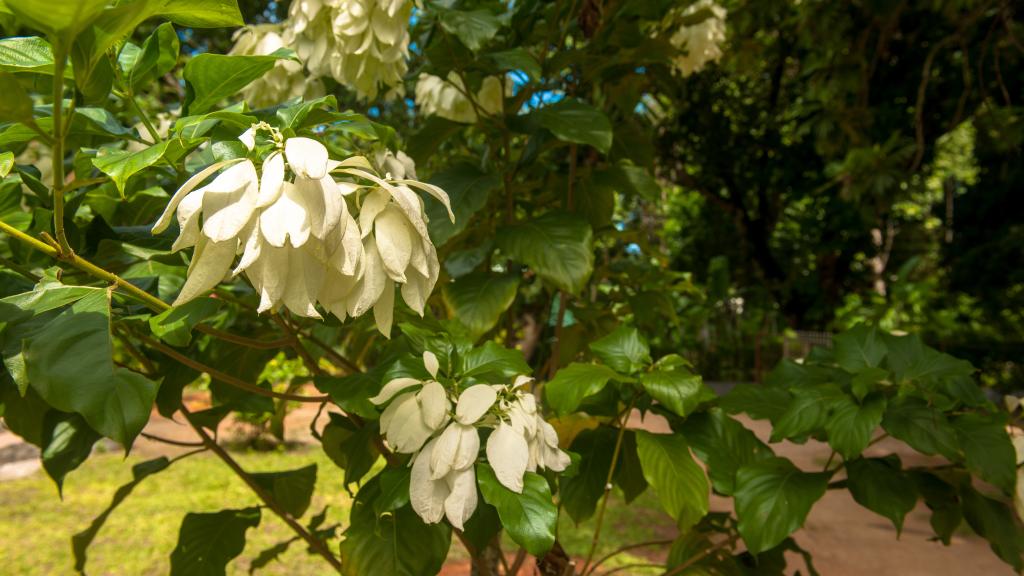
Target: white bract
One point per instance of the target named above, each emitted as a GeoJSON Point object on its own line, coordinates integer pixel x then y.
{"type": "Point", "coordinates": [282, 82]}
{"type": "Point", "coordinates": [446, 447]}
{"type": "Point", "coordinates": [363, 44]}
{"type": "Point", "coordinates": [699, 43]}
{"type": "Point", "coordinates": [300, 243]}
{"type": "Point", "coordinates": [436, 96]}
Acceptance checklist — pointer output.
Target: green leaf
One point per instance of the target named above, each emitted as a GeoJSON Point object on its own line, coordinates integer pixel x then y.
{"type": "Point", "coordinates": [910, 359]}
{"type": "Point", "coordinates": [994, 521]}
{"type": "Point", "coordinates": [679, 481]}
{"type": "Point", "coordinates": [678, 390]}
{"type": "Point", "coordinates": [571, 120]}
{"type": "Point", "coordinates": [880, 485]}
{"type": "Point", "coordinates": [351, 448]}
{"type": "Point", "coordinates": [292, 490]}
{"type": "Point", "coordinates": [851, 424]}
{"type": "Point", "coordinates": [468, 188]}
{"type": "Point", "coordinates": [624, 350]}
{"type": "Point", "coordinates": [62, 18]}
{"type": "Point", "coordinates": [473, 27]}
{"type": "Point", "coordinates": [859, 348]}
{"type": "Point", "coordinates": [351, 392]}
{"type": "Point", "coordinates": [558, 246]}
{"type": "Point", "coordinates": [773, 498]}
{"type": "Point", "coordinates": [27, 54]}
{"type": "Point", "coordinates": [987, 449]}
{"type": "Point", "coordinates": [529, 518]}
{"type": "Point", "coordinates": [208, 541]}
{"type": "Point", "coordinates": [808, 412]}
{"type": "Point", "coordinates": [6, 163]}
{"type": "Point", "coordinates": [758, 401]}
{"type": "Point", "coordinates": [397, 544]}
{"type": "Point", "coordinates": [80, 542]}
{"type": "Point", "coordinates": [575, 382]}
{"type": "Point", "coordinates": [724, 445]}
{"type": "Point", "coordinates": [478, 300]}
{"type": "Point", "coordinates": [629, 473]}
{"type": "Point", "coordinates": [70, 364]}
{"type": "Point", "coordinates": [15, 104]}
{"type": "Point", "coordinates": [210, 78]}
{"type": "Point", "coordinates": [202, 13]}
{"type": "Point", "coordinates": [121, 165]}
{"type": "Point", "coordinates": [67, 442]}
{"type": "Point", "coordinates": [579, 494]}
{"type": "Point", "coordinates": [394, 490]}
{"type": "Point", "coordinates": [494, 361]}
{"type": "Point", "coordinates": [923, 427]}
{"type": "Point", "coordinates": [175, 325]}
{"type": "Point", "coordinates": [517, 59]}
{"type": "Point", "coordinates": [158, 56]}
{"type": "Point", "coordinates": [633, 180]}
{"type": "Point", "coordinates": [944, 502]}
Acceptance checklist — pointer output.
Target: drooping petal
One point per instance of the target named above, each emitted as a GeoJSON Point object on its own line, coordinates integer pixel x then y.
{"type": "Point", "coordinates": [430, 363]}
{"type": "Point", "coordinates": [462, 499]}
{"type": "Point", "coordinates": [407, 432]}
{"type": "Point", "coordinates": [384, 309]}
{"type": "Point", "coordinates": [474, 402]}
{"type": "Point", "coordinates": [210, 263]}
{"type": "Point", "coordinates": [415, 291]}
{"type": "Point", "coordinates": [310, 195]}
{"type": "Point", "coordinates": [371, 285]}
{"type": "Point", "coordinates": [469, 447]}
{"type": "Point", "coordinates": [434, 404]}
{"type": "Point", "coordinates": [426, 495]}
{"type": "Point", "coordinates": [189, 211]}
{"type": "Point", "coordinates": [229, 202]}
{"type": "Point", "coordinates": [434, 191]}
{"type": "Point", "coordinates": [285, 221]}
{"type": "Point", "coordinates": [373, 204]}
{"type": "Point", "coordinates": [271, 181]}
{"type": "Point", "coordinates": [393, 387]}
{"type": "Point", "coordinates": [307, 157]}
{"type": "Point", "coordinates": [251, 252]}
{"type": "Point", "coordinates": [188, 186]}
{"type": "Point", "coordinates": [509, 454]}
{"type": "Point", "coordinates": [388, 416]}
{"type": "Point", "coordinates": [394, 242]}
{"type": "Point", "coordinates": [266, 276]}
{"type": "Point", "coordinates": [445, 450]}
{"type": "Point", "coordinates": [305, 275]}
{"type": "Point", "coordinates": [248, 138]}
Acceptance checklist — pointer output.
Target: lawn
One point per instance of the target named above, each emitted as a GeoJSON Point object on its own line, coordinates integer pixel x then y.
{"type": "Point", "coordinates": [36, 525]}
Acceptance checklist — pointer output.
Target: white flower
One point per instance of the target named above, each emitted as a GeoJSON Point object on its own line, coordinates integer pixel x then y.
{"type": "Point", "coordinates": [396, 244]}
{"type": "Point", "coordinates": [523, 441]}
{"type": "Point", "coordinates": [285, 80]}
{"type": "Point", "coordinates": [300, 244]}
{"type": "Point", "coordinates": [446, 98]}
{"type": "Point", "coordinates": [226, 206]}
{"type": "Point", "coordinates": [419, 409]}
{"type": "Point", "coordinates": [452, 495]}
{"type": "Point", "coordinates": [700, 43]}
{"type": "Point", "coordinates": [363, 44]}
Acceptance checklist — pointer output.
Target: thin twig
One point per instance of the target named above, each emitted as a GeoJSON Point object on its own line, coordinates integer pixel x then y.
{"type": "Point", "coordinates": [702, 555]}
{"type": "Point", "coordinates": [517, 562]}
{"type": "Point", "coordinates": [242, 340]}
{"type": "Point", "coordinates": [315, 543]}
{"type": "Point", "coordinates": [626, 548]}
{"type": "Point", "coordinates": [156, 438]}
{"type": "Point", "coordinates": [623, 418]}
{"type": "Point", "coordinates": [618, 569]}
{"type": "Point", "coordinates": [225, 378]}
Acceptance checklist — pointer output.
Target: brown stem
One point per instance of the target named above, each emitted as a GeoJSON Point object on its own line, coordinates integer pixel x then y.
{"type": "Point", "coordinates": [626, 548]}
{"type": "Point", "coordinates": [242, 340]}
{"type": "Point", "coordinates": [315, 543]}
{"type": "Point", "coordinates": [517, 563]}
{"type": "Point", "coordinates": [225, 378]}
{"type": "Point", "coordinates": [156, 438]}
{"type": "Point", "coordinates": [702, 555]}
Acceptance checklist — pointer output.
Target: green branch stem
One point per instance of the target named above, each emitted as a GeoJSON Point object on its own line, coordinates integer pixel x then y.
{"type": "Point", "coordinates": [57, 147]}
{"type": "Point", "coordinates": [315, 543]}
{"type": "Point", "coordinates": [623, 419]}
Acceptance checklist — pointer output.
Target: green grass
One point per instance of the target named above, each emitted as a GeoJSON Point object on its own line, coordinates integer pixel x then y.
{"type": "Point", "coordinates": [36, 526]}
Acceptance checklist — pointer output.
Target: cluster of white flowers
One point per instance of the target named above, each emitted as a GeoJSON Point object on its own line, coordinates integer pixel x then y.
{"type": "Point", "coordinates": [419, 421]}
{"type": "Point", "coordinates": [699, 43]}
{"type": "Point", "coordinates": [362, 44]}
{"type": "Point", "coordinates": [436, 96]}
{"type": "Point", "coordinates": [285, 80]}
{"type": "Point", "coordinates": [299, 242]}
